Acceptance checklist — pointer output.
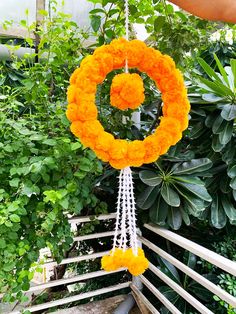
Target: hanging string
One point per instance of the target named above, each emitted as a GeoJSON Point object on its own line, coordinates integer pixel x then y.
{"type": "Point", "coordinates": [126, 30]}
{"type": "Point", "coordinates": [125, 230]}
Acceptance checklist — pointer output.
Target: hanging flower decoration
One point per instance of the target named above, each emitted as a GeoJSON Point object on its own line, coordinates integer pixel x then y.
{"type": "Point", "coordinates": [127, 92]}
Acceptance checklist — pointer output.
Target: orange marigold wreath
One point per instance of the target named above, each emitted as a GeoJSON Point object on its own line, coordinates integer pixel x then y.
{"type": "Point", "coordinates": [127, 92]}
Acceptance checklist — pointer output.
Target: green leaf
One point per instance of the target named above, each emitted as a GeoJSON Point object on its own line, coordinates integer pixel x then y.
{"type": "Point", "coordinates": [169, 195]}
{"type": "Point", "coordinates": [50, 142]}
{"type": "Point", "coordinates": [222, 70]}
{"type": "Point", "coordinates": [14, 218]}
{"type": "Point", "coordinates": [2, 244]}
{"type": "Point", "coordinates": [233, 183]}
{"type": "Point", "coordinates": [95, 22]}
{"type": "Point", "coordinates": [193, 166]}
{"type": "Point", "coordinates": [216, 87]}
{"type": "Point", "coordinates": [216, 144]}
{"type": "Point", "coordinates": [234, 194]}
{"type": "Point", "coordinates": [8, 266]}
{"type": "Point", "coordinates": [146, 199]}
{"type": "Point", "coordinates": [75, 146]}
{"type": "Point", "coordinates": [233, 68]}
{"type": "Point", "coordinates": [64, 203]}
{"type": "Point", "coordinates": [218, 217]}
{"type": "Point", "coordinates": [150, 178]}
{"type": "Point", "coordinates": [36, 137]}
{"type": "Point", "coordinates": [158, 23]}
{"type": "Point", "coordinates": [193, 204]}
{"type": "Point", "coordinates": [174, 218]}
{"type": "Point", "coordinates": [232, 171]}
{"type": "Point", "coordinates": [185, 216]}
{"type": "Point", "coordinates": [188, 179]}
{"type": "Point", "coordinates": [97, 11]}
{"type": "Point", "coordinates": [198, 190]}
{"type": "Point", "coordinates": [209, 71]}
{"type": "Point", "coordinates": [226, 134]}
{"type": "Point", "coordinates": [229, 112]}
{"type": "Point", "coordinates": [217, 125]}
{"type": "Point", "coordinates": [228, 207]}
{"type": "Point", "coordinates": [158, 212]}
{"type": "Point", "coordinates": [14, 182]}
{"type": "Point", "coordinates": [169, 269]}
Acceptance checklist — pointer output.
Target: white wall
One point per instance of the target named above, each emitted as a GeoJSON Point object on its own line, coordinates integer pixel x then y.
{"type": "Point", "coordinates": [15, 10]}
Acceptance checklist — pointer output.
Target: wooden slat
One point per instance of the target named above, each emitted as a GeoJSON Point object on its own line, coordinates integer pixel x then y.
{"type": "Point", "coordinates": [94, 236]}
{"type": "Point", "coordinates": [208, 255]}
{"type": "Point", "coordinates": [140, 295]}
{"type": "Point", "coordinates": [222, 294]}
{"type": "Point", "coordinates": [91, 218]}
{"type": "Point", "coordinates": [75, 298]}
{"type": "Point", "coordinates": [184, 294]}
{"type": "Point", "coordinates": [67, 281]}
{"type": "Point", "coordinates": [77, 259]}
{"type": "Point", "coordinates": [160, 296]}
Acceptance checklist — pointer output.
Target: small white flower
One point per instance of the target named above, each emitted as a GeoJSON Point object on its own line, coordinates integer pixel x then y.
{"type": "Point", "coordinates": [216, 36]}
{"type": "Point", "coordinates": [229, 36]}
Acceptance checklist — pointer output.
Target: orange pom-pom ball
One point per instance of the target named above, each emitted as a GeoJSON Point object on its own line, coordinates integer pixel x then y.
{"type": "Point", "coordinates": [127, 91]}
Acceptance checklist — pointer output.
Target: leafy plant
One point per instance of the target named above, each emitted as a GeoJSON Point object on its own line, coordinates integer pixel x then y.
{"type": "Point", "coordinates": [186, 283]}
{"type": "Point", "coordinates": [176, 192]}
{"type": "Point", "coordinates": [212, 130]}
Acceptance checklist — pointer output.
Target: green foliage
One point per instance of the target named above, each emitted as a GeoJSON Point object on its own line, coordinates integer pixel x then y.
{"type": "Point", "coordinates": [176, 192]}
{"type": "Point", "coordinates": [213, 120]}
{"type": "Point", "coordinates": [46, 175]}
{"type": "Point", "coordinates": [173, 32]}
{"type": "Point", "coordinates": [187, 283]}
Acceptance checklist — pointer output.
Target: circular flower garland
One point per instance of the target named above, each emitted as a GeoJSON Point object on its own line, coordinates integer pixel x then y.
{"type": "Point", "coordinates": [82, 111]}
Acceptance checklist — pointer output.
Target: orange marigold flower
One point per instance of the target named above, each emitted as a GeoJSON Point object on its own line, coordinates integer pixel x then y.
{"type": "Point", "coordinates": [176, 107]}
{"type": "Point", "coordinates": [163, 68]}
{"type": "Point", "coordinates": [173, 82]}
{"type": "Point", "coordinates": [77, 128]}
{"type": "Point", "coordinates": [175, 96]}
{"type": "Point", "coordinates": [101, 154]}
{"type": "Point", "coordinates": [119, 149]}
{"type": "Point", "coordinates": [92, 128]}
{"type": "Point", "coordinates": [172, 126]}
{"type": "Point", "coordinates": [138, 265]}
{"type": "Point", "coordinates": [71, 93]}
{"type": "Point", "coordinates": [135, 50]}
{"type": "Point", "coordinates": [183, 119]}
{"type": "Point", "coordinates": [104, 141]}
{"type": "Point", "coordinates": [127, 91]}
{"type": "Point", "coordinates": [164, 140]}
{"type": "Point", "coordinates": [87, 141]}
{"type": "Point", "coordinates": [118, 47]}
{"type": "Point", "coordinates": [104, 49]}
{"type": "Point", "coordinates": [108, 263]}
{"type": "Point", "coordinates": [74, 76]}
{"type": "Point", "coordinates": [119, 163]}
{"type": "Point", "coordinates": [136, 153]}
{"type": "Point", "coordinates": [152, 149]}
{"type": "Point", "coordinates": [72, 112]}
{"type": "Point", "coordinates": [106, 62]}
{"type": "Point", "coordinates": [87, 111]}
{"type": "Point", "coordinates": [82, 97]}
{"type": "Point", "coordinates": [150, 58]}
{"type": "Point", "coordinates": [85, 84]}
